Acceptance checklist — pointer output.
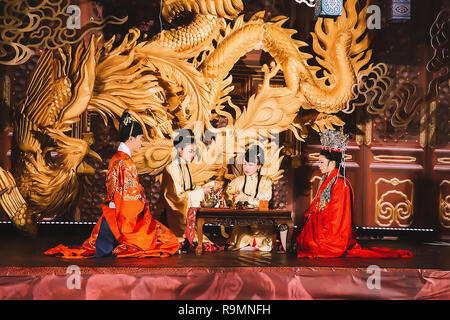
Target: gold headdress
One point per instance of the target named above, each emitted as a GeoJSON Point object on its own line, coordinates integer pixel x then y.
{"type": "Point", "coordinates": [334, 140]}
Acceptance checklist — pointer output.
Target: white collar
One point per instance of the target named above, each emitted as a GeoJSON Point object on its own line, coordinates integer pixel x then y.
{"type": "Point", "coordinates": [253, 176]}
{"type": "Point", "coordinates": [124, 148]}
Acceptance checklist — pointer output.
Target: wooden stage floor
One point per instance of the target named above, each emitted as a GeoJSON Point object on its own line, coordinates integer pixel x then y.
{"type": "Point", "coordinates": [25, 273]}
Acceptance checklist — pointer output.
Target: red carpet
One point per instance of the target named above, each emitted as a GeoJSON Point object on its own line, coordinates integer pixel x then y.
{"type": "Point", "coordinates": [267, 283]}
{"type": "Point", "coordinates": [26, 273]}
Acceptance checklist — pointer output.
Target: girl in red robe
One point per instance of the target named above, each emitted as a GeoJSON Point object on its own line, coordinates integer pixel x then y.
{"type": "Point", "coordinates": [126, 227]}
{"type": "Point", "coordinates": [327, 232]}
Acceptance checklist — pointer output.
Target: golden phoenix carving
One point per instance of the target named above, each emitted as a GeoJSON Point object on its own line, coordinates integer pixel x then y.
{"type": "Point", "coordinates": [179, 78]}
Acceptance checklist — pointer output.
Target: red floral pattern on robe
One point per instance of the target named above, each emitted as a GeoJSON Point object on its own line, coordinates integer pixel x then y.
{"type": "Point", "coordinates": [131, 222]}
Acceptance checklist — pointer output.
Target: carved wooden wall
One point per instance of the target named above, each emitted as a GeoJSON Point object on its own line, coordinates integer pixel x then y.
{"type": "Point", "coordinates": [400, 176]}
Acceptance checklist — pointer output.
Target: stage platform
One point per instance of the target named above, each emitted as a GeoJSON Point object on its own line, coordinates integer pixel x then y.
{"type": "Point", "coordinates": [25, 273]}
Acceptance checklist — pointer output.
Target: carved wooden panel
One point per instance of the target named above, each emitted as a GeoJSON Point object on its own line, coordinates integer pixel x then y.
{"type": "Point", "coordinates": [444, 204]}
{"type": "Point", "coordinates": [394, 205]}
{"type": "Point", "coordinates": [439, 137]}
{"type": "Point", "coordinates": [105, 144]}
{"type": "Point", "coordinates": [392, 175]}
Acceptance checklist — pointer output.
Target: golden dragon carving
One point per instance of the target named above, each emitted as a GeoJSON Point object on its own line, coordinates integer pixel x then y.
{"type": "Point", "coordinates": [179, 78]}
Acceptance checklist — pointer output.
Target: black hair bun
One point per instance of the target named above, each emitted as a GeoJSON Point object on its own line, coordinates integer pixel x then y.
{"type": "Point", "coordinates": [255, 154]}
{"type": "Point", "coordinates": [183, 137]}
{"type": "Point", "coordinates": [332, 155]}
{"type": "Point", "coordinates": [128, 127]}
{"type": "Point", "coordinates": [125, 119]}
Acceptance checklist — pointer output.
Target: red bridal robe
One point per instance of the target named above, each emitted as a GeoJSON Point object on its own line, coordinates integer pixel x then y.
{"type": "Point", "coordinates": [128, 230]}
{"type": "Point", "coordinates": [327, 232]}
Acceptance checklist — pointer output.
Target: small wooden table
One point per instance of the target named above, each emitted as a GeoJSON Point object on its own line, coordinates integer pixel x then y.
{"type": "Point", "coordinates": [221, 216]}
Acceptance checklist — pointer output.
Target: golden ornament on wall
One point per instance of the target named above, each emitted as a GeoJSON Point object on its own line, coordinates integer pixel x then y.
{"type": "Point", "coordinates": [394, 159]}
{"type": "Point", "coordinates": [26, 26]}
{"type": "Point", "coordinates": [394, 207]}
{"type": "Point", "coordinates": [444, 204]}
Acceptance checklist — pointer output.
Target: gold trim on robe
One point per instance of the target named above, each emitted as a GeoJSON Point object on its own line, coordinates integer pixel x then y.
{"type": "Point", "coordinates": [243, 236]}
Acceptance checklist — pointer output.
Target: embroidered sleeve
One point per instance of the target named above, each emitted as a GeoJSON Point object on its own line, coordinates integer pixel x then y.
{"type": "Point", "coordinates": [113, 181]}
{"type": "Point", "coordinates": [132, 190]}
